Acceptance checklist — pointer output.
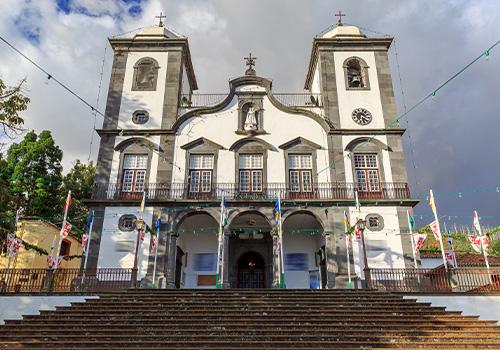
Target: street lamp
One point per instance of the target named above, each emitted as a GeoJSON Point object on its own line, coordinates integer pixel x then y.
{"type": "Point", "coordinates": [139, 225]}
{"type": "Point", "coordinates": [368, 278]}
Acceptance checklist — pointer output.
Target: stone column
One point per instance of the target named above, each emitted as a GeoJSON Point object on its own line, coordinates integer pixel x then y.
{"type": "Point", "coordinates": [225, 262]}
{"type": "Point", "coordinates": [172, 250]}
{"type": "Point", "coordinates": [276, 263]}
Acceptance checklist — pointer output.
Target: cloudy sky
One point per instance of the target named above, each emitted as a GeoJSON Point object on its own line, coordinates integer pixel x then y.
{"type": "Point", "coordinates": [455, 138]}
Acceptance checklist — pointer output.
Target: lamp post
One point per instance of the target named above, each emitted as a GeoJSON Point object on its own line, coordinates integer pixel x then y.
{"type": "Point", "coordinates": [368, 278]}
{"type": "Point", "coordinates": [139, 225]}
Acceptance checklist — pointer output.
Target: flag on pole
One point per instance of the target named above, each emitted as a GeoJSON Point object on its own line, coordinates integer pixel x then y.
{"type": "Point", "coordinates": [143, 203]}
{"type": "Point", "coordinates": [348, 241]}
{"type": "Point", "coordinates": [450, 258]}
{"type": "Point", "coordinates": [476, 222]}
{"type": "Point", "coordinates": [419, 241]}
{"type": "Point", "coordinates": [277, 206]}
{"type": "Point", "coordinates": [450, 243]}
{"type": "Point", "coordinates": [223, 211]}
{"type": "Point", "coordinates": [16, 244]}
{"type": "Point", "coordinates": [357, 233]}
{"type": "Point", "coordinates": [410, 220]}
{"type": "Point", "coordinates": [10, 241]}
{"type": "Point", "coordinates": [142, 235]}
{"type": "Point", "coordinates": [435, 230]}
{"type": "Point", "coordinates": [65, 229]}
{"type": "Point", "coordinates": [358, 205]}
{"type": "Point", "coordinates": [475, 242]}
{"type": "Point", "coordinates": [68, 202]}
{"type": "Point", "coordinates": [486, 244]}
{"type": "Point", "coordinates": [91, 218]}
{"type": "Point", "coordinates": [153, 245]}
{"type": "Point", "coordinates": [158, 222]}
{"type": "Point", "coordinates": [432, 203]}
{"type": "Point", "coordinates": [85, 238]}
{"type": "Point", "coordinates": [53, 262]}
{"type": "Point", "coordinates": [346, 220]}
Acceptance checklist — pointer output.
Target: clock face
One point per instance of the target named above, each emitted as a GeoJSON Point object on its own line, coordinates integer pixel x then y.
{"type": "Point", "coordinates": [361, 116]}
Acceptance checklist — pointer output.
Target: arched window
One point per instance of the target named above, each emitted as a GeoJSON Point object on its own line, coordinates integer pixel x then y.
{"type": "Point", "coordinates": [356, 74]}
{"type": "Point", "coordinates": [145, 75]}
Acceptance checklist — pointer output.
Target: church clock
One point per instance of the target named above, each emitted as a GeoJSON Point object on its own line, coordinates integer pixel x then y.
{"type": "Point", "coordinates": [361, 116]}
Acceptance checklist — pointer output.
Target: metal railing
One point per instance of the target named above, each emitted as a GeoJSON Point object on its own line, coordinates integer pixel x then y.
{"type": "Point", "coordinates": [287, 99]}
{"type": "Point", "coordinates": [65, 280]}
{"type": "Point", "coordinates": [436, 280]}
{"type": "Point", "coordinates": [209, 191]}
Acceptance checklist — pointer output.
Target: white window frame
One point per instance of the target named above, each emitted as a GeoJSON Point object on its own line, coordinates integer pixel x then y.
{"type": "Point", "coordinates": [134, 172]}
{"type": "Point", "coordinates": [367, 172]}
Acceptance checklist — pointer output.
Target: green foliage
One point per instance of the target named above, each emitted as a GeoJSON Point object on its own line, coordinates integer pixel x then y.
{"type": "Point", "coordinates": [79, 180]}
{"type": "Point", "coordinates": [35, 166]}
{"type": "Point", "coordinates": [12, 101]}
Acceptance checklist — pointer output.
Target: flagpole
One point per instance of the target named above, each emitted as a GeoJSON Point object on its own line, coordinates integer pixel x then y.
{"type": "Point", "coordinates": [280, 237]}
{"type": "Point", "coordinates": [66, 207]}
{"type": "Point", "coordinates": [413, 249]}
{"type": "Point", "coordinates": [156, 256]}
{"type": "Point", "coordinates": [433, 206]}
{"type": "Point", "coordinates": [10, 255]}
{"type": "Point", "coordinates": [348, 259]}
{"type": "Point", "coordinates": [476, 217]}
{"type": "Point", "coordinates": [87, 251]}
{"type": "Point", "coordinates": [219, 242]}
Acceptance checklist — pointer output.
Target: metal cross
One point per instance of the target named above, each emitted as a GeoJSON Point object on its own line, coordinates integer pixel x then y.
{"type": "Point", "coordinates": [161, 16]}
{"type": "Point", "coordinates": [250, 60]}
{"type": "Point", "coordinates": [340, 17]}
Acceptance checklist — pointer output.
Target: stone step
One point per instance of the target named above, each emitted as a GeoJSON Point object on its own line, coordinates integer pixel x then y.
{"type": "Point", "coordinates": [251, 344]}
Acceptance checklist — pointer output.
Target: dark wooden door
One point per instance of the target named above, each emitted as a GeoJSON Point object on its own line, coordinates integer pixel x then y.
{"type": "Point", "coordinates": [251, 278]}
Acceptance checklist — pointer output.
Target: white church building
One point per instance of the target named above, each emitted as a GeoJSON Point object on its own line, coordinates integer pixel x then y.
{"type": "Point", "coordinates": [185, 150]}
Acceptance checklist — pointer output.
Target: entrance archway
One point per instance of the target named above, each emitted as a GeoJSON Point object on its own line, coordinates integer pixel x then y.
{"type": "Point", "coordinates": [251, 271]}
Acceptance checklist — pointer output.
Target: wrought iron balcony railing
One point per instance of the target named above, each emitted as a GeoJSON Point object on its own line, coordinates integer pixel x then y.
{"type": "Point", "coordinates": [247, 191]}
{"type": "Point", "coordinates": [288, 99]}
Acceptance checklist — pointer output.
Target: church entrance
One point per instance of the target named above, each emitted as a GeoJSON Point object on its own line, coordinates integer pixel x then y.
{"type": "Point", "coordinates": [251, 271]}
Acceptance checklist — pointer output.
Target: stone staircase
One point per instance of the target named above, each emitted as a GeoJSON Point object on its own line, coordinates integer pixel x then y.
{"type": "Point", "coordinates": [249, 319]}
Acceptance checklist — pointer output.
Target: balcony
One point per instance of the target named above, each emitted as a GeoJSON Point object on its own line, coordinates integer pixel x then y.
{"type": "Point", "coordinates": [287, 99]}
{"type": "Point", "coordinates": [264, 191]}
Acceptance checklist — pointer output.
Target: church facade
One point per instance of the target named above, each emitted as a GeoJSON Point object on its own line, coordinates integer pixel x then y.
{"type": "Point", "coordinates": [184, 151]}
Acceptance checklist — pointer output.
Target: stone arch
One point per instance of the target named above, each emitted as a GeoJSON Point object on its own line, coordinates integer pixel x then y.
{"type": "Point", "coordinates": [139, 141]}
{"type": "Point", "coordinates": [204, 221]}
{"type": "Point", "coordinates": [258, 143]}
{"type": "Point", "coordinates": [356, 73]}
{"type": "Point", "coordinates": [301, 219]}
{"type": "Point", "coordinates": [373, 144]}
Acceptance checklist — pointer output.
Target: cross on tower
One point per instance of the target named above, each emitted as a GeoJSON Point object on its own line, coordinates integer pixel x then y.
{"type": "Point", "coordinates": [340, 17]}
{"type": "Point", "coordinates": [160, 17]}
{"type": "Point", "coordinates": [250, 62]}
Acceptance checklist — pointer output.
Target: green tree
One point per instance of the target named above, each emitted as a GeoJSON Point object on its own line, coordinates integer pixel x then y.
{"type": "Point", "coordinates": [12, 101]}
{"type": "Point", "coordinates": [35, 166]}
{"type": "Point", "coordinates": [79, 180]}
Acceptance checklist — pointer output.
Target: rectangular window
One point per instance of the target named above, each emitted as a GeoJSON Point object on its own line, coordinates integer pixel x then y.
{"type": "Point", "coordinates": [134, 172]}
{"type": "Point", "coordinates": [200, 173]}
{"type": "Point", "coordinates": [367, 175]}
{"type": "Point", "coordinates": [251, 167]}
{"type": "Point", "coordinates": [300, 171]}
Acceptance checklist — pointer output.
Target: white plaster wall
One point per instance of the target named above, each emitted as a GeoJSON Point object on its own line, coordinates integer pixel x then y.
{"type": "Point", "coordinates": [111, 235]}
{"type": "Point", "coordinates": [392, 256]}
{"type": "Point", "coordinates": [352, 99]}
{"type": "Point", "coordinates": [151, 101]}
{"type": "Point", "coordinates": [193, 244]}
{"type": "Point", "coordinates": [487, 307]}
{"type": "Point", "coordinates": [315, 86]}
{"type": "Point", "coordinates": [300, 243]}
{"type": "Point", "coordinates": [281, 127]}
{"type": "Point", "coordinates": [348, 161]}
{"type": "Point", "coordinates": [115, 165]}
{"type": "Point", "coordinates": [14, 307]}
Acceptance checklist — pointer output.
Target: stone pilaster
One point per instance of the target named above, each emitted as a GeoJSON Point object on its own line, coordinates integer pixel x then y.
{"type": "Point", "coordinates": [172, 249]}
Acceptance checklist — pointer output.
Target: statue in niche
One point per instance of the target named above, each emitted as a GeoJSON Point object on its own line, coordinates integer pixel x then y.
{"type": "Point", "coordinates": [251, 120]}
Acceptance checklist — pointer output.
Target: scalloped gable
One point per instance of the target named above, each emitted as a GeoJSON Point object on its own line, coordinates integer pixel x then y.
{"type": "Point", "coordinates": [235, 86]}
